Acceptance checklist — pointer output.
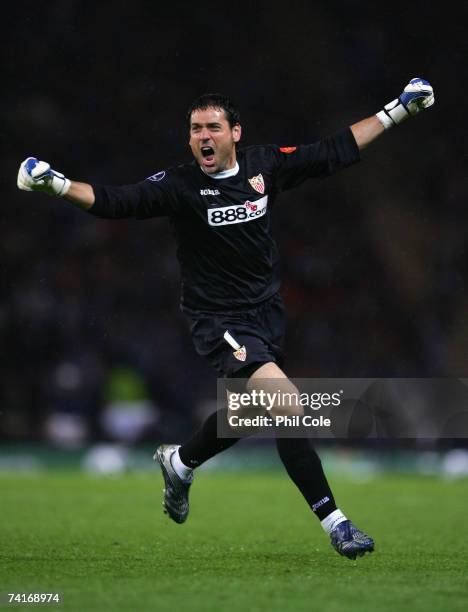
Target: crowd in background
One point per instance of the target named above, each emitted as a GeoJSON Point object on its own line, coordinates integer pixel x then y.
{"type": "Point", "coordinates": [374, 260]}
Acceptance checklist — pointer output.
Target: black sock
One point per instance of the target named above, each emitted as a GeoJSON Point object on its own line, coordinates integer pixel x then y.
{"type": "Point", "coordinates": [205, 443]}
{"type": "Point", "coordinates": [305, 469]}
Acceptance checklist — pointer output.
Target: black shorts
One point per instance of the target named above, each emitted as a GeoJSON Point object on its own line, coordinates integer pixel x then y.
{"type": "Point", "coordinates": [258, 331]}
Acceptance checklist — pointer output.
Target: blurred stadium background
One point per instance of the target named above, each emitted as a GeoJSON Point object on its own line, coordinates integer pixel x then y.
{"type": "Point", "coordinates": [94, 348]}
{"type": "Point", "coordinates": [96, 363]}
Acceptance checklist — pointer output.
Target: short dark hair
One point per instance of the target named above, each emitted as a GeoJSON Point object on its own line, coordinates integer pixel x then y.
{"type": "Point", "coordinates": [218, 101]}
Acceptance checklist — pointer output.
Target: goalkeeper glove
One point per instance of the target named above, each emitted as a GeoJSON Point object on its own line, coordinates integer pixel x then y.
{"type": "Point", "coordinates": [35, 175]}
{"type": "Point", "coordinates": [416, 96]}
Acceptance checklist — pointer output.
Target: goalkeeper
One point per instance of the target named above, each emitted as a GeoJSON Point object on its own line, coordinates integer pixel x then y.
{"type": "Point", "coordinates": [220, 206]}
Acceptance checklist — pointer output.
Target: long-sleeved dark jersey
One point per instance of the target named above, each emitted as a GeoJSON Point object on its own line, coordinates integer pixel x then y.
{"type": "Point", "coordinates": [226, 250]}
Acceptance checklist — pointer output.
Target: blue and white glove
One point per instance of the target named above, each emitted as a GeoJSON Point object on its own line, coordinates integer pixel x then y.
{"type": "Point", "coordinates": [35, 175]}
{"type": "Point", "coordinates": [416, 96]}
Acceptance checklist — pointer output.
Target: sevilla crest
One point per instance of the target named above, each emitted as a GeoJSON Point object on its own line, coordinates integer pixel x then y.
{"type": "Point", "coordinates": [258, 183]}
{"type": "Point", "coordinates": [241, 353]}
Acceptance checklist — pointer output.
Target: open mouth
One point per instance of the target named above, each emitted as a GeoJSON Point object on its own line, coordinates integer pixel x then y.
{"type": "Point", "coordinates": [208, 155]}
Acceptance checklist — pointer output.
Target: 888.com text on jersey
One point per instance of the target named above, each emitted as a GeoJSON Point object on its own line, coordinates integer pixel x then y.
{"type": "Point", "coordinates": [228, 215]}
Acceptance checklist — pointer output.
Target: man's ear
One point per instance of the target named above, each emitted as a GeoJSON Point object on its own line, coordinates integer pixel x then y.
{"type": "Point", "coordinates": [236, 132]}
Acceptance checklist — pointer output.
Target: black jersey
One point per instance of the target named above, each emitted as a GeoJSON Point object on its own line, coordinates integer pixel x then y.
{"type": "Point", "coordinates": [227, 254]}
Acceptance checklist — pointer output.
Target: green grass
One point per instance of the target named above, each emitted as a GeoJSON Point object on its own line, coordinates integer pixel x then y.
{"type": "Point", "coordinates": [249, 544]}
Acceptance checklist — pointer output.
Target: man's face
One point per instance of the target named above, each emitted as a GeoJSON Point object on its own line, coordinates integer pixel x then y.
{"type": "Point", "coordinates": [212, 140]}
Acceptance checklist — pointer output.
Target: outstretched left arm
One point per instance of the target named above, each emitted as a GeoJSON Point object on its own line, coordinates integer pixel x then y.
{"type": "Point", "coordinates": [416, 96]}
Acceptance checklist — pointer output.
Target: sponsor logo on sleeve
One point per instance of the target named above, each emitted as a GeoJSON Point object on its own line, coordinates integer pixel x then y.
{"type": "Point", "coordinates": [258, 183]}
{"type": "Point", "coordinates": [157, 177]}
{"type": "Point", "coordinates": [241, 213]}
{"type": "Point", "coordinates": [287, 149]}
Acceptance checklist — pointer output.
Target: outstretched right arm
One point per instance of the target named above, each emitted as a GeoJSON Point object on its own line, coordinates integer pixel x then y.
{"type": "Point", "coordinates": [81, 195]}
{"type": "Point", "coordinates": [145, 199]}
{"type": "Point", "coordinates": [35, 175]}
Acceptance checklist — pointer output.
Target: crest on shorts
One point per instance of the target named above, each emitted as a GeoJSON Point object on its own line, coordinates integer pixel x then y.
{"type": "Point", "coordinates": [258, 183]}
{"type": "Point", "coordinates": [241, 352]}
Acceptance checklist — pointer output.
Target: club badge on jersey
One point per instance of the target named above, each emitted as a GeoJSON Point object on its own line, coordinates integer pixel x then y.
{"type": "Point", "coordinates": [258, 183]}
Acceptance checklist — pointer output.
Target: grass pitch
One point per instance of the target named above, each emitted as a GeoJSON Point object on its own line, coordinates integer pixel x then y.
{"type": "Point", "coordinates": [249, 544]}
